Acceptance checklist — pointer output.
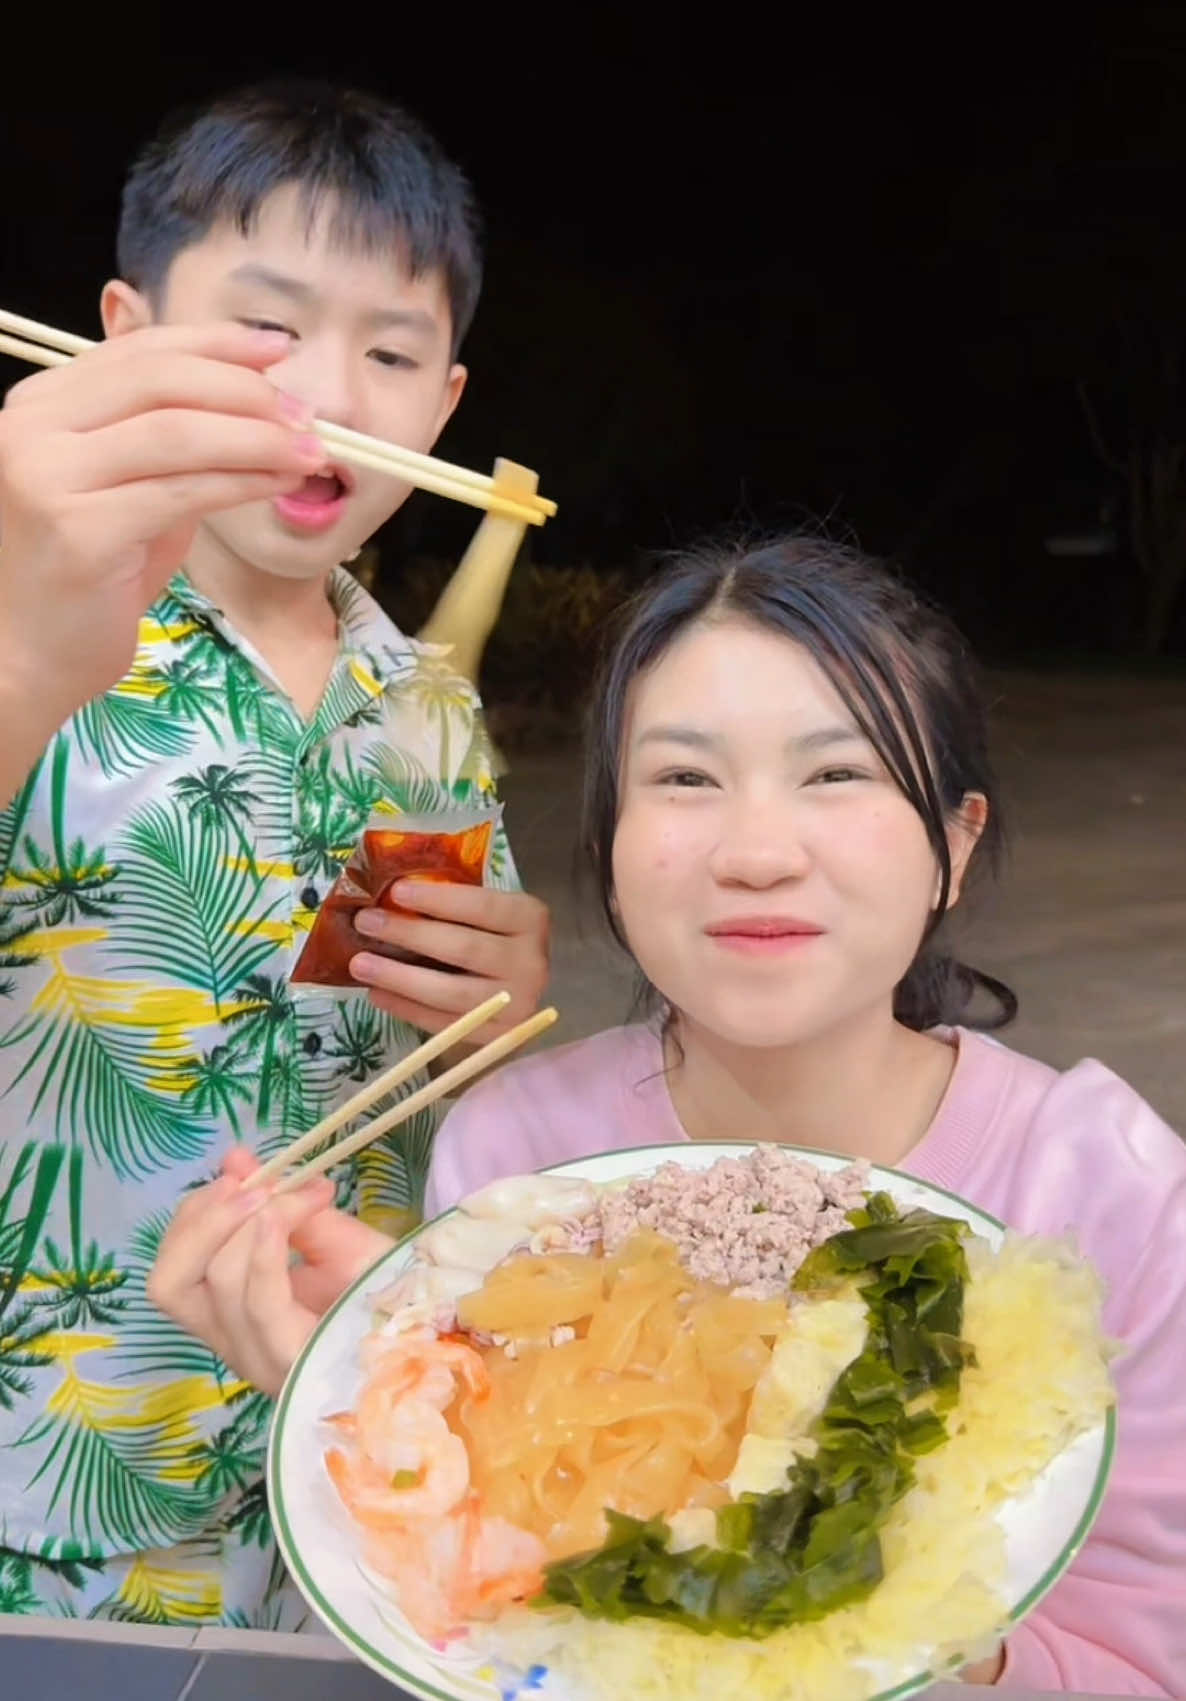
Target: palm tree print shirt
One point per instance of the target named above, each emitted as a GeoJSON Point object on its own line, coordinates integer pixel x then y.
{"type": "Point", "coordinates": [162, 866]}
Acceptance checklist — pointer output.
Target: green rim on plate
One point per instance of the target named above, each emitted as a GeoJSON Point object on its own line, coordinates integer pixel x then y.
{"type": "Point", "coordinates": [388, 1667]}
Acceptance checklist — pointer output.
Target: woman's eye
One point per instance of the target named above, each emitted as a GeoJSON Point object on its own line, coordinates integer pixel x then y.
{"type": "Point", "coordinates": [684, 777]}
{"type": "Point", "coordinates": [836, 776]}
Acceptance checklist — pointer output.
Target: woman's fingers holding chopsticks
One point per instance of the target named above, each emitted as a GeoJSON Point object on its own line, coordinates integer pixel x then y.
{"type": "Point", "coordinates": [222, 1271]}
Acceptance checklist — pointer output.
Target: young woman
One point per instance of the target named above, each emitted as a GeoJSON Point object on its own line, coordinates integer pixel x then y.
{"type": "Point", "coordinates": [788, 787]}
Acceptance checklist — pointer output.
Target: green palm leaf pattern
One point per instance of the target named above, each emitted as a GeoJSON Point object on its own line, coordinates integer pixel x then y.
{"type": "Point", "coordinates": [71, 883]}
{"type": "Point", "coordinates": [347, 702]}
{"type": "Point", "coordinates": [23, 1330]}
{"type": "Point", "coordinates": [356, 1046]}
{"type": "Point", "coordinates": [110, 1478]}
{"type": "Point", "coordinates": [148, 1340]}
{"type": "Point", "coordinates": [181, 896]}
{"type": "Point", "coordinates": [264, 1027]}
{"type": "Point", "coordinates": [123, 732]}
{"type": "Point", "coordinates": [358, 789]}
{"type": "Point", "coordinates": [194, 688]}
{"type": "Point", "coordinates": [17, 1594]}
{"type": "Point", "coordinates": [23, 1575]}
{"type": "Point", "coordinates": [250, 1518]}
{"type": "Point", "coordinates": [219, 797]}
{"type": "Point", "coordinates": [19, 1237]}
{"type": "Point", "coordinates": [13, 929]}
{"type": "Point", "coordinates": [233, 1459]}
{"type": "Point", "coordinates": [80, 1287]}
{"type": "Point", "coordinates": [151, 899]}
{"type": "Point", "coordinates": [93, 1084]}
{"type": "Point", "coordinates": [12, 819]}
{"type": "Point", "coordinates": [220, 1084]}
{"type": "Point", "coordinates": [328, 823]}
{"type": "Point", "coordinates": [406, 783]}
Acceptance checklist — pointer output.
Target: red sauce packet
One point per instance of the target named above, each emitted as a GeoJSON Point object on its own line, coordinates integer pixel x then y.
{"type": "Point", "coordinates": [453, 847]}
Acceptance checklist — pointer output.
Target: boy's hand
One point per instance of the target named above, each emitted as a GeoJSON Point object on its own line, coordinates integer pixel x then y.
{"type": "Point", "coordinates": [107, 465]}
{"type": "Point", "coordinates": [224, 1269]}
{"type": "Point", "coordinates": [495, 940]}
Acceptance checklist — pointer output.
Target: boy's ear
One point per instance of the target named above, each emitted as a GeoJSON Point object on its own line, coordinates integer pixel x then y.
{"type": "Point", "coordinates": [123, 309]}
{"type": "Point", "coordinates": [454, 389]}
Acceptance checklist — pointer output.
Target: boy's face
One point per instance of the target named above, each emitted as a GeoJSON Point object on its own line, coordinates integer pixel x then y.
{"type": "Point", "coordinates": [371, 349]}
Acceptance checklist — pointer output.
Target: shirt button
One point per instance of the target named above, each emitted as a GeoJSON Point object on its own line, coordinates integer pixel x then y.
{"type": "Point", "coordinates": [312, 1045]}
{"type": "Point", "coordinates": [310, 897]}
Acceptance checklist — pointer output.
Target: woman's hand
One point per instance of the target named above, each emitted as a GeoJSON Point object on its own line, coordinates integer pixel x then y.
{"type": "Point", "coordinates": [225, 1271]}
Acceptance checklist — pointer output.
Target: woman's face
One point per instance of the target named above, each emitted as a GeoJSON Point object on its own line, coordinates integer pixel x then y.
{"type": "Point", "coordinates": [770, 877]}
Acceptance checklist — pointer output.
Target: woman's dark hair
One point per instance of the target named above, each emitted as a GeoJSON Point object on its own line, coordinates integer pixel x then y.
{"type": "Point", "coordinates": [902, 670]}
{"type": "Point", "coordinates": [389, 180]}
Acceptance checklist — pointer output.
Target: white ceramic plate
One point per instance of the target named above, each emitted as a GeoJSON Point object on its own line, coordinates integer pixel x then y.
{"type": "Point", "coordinates": [1044, 1528]}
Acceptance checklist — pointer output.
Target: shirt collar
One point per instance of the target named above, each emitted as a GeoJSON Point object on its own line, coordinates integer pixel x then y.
{"type": "Point", "coordinates": [371, 645]}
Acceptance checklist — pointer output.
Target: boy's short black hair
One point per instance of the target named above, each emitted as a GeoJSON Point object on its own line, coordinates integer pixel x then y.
{"type": "Point", "coordinates": [392, 183]}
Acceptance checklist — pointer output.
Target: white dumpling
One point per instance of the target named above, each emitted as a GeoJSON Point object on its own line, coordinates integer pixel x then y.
{"type": "Point", "coordinates": [462, 1242]}
{"type": "Point", "coordinates": [532, 1200]}
{"type": "Point", "coordinates": [426, 1294]}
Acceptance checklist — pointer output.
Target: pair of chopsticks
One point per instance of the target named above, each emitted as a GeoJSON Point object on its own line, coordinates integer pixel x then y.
{"type": "Point", "coordinates": [444, 1084]}
{"type": "Point", "coordinates": [41, 345]}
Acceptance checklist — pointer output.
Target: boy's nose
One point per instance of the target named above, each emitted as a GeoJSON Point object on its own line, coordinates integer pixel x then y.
{"type": "Point", "coordinates": [320, 377]}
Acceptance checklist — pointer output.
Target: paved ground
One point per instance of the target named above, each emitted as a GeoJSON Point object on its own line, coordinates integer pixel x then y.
{"type": "Point", "coordinates": [1089, 924]}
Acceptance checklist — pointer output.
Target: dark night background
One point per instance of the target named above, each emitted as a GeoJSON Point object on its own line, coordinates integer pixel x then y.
{"type": "Point", "coordinates": [755, 270]}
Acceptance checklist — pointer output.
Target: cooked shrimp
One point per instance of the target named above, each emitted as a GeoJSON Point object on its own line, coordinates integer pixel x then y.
{"type": "Point", "coordinates": [460, 1567]}
{"type": "Point", "coordinates": [414, 1468]}
{"type": "Point", "coordinates": [423, 1365]}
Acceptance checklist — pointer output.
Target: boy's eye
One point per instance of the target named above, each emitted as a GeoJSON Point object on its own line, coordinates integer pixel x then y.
{"type": "Point", "coordinates": [388, 357]}
{"type": "Point", "coordinates": [268, 325]}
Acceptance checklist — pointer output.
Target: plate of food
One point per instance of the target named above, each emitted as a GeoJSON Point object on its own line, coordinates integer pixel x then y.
{"type": "Point", "coordinates": [709, 1420]}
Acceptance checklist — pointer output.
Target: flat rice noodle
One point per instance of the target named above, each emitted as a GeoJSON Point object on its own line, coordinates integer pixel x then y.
{"type": "Point", "coordinates": [643, 1412]}
{"type": "Point", "coordinates": [532, 1294]}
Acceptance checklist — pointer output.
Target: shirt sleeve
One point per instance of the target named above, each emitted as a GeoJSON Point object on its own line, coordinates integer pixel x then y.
{"type": "Point", "coordinates": [1116, 1623]}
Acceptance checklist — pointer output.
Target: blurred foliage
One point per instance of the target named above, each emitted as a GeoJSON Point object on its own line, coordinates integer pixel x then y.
{"type": "Point", "coordinates": [540, 659]}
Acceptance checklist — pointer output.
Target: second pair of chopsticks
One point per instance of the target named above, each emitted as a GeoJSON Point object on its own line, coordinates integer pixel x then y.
{"type": "Point", "coordinates": [41, 345]}
{"type": "Point", "coordinates": [457, 1076]}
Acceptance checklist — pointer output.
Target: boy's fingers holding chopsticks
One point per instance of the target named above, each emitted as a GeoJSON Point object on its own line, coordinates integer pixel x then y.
{"type": "Point", "coordinates": [161, 363]}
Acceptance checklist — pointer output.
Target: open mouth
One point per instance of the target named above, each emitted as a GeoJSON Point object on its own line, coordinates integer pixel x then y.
{"type": "Point", "coordinates": [318, 502]}
{"type": "Point", "coordinates": [328, 486]}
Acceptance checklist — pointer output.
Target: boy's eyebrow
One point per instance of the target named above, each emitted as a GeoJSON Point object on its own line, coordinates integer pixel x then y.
{"type": "Point", "coordinates": [822, 738]}
{"type": "Point", "coordinates": [393, 318]}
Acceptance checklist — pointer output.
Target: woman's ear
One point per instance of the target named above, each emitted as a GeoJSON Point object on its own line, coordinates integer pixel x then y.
{"type": "Point", "coordinates": [964, 830]}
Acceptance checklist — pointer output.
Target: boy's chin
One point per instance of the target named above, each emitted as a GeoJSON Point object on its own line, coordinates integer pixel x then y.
{"type": "Point", "coordinates": [272, 551]}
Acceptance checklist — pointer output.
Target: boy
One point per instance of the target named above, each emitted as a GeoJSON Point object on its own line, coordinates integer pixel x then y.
{"type": "Point", "coordinates": [181, 788]}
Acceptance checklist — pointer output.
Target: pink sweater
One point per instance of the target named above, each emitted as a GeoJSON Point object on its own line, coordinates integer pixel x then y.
{"type": "Point", "coordinates": [1044, 1152]}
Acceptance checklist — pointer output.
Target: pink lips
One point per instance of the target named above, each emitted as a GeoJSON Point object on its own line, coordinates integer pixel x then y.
{"type": "Point", "coordinates": [318, 504]}
{"type": "Point", "coordinates": [763, 935]}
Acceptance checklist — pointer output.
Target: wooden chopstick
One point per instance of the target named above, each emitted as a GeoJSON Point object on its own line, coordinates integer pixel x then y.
{"type": "Point", "coordinates": [385, 1083]}
{"type": "Point", "coordinates": [341, 437]}
{"type": "Point", "coordinates": [471, 495]}
{"type": "Point", "coordinates": [67, 341]}
{"type": "Point", "coordinates": [30, 352]}
{"type": "Point", "coordinates": [417, 1101]}
{"type": "Point", "coordinates": [443, 478]}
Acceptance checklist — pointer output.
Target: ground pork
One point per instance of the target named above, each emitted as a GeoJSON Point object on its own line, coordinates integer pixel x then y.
{"type": "Point", "coordinates": [745, 1222]}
